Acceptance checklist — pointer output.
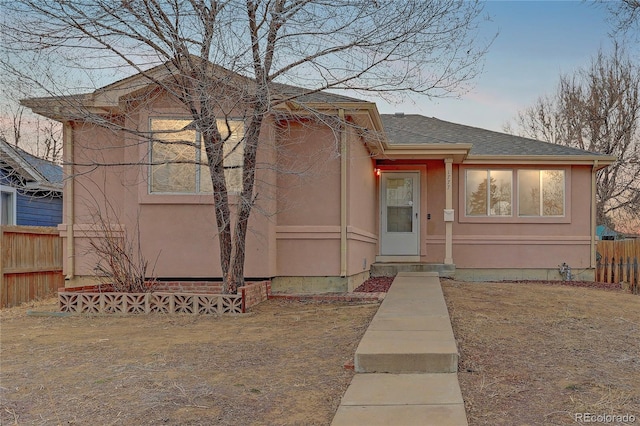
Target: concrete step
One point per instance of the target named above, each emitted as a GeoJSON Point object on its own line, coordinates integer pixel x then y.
{"type": "Point", "coordinates": [406, 352]}
{"type": "Point", "coordinates": [389, 269]}
{"type": "Point", "coordinates": [402, 399]}
{"type": "Point", "coordinates": [411, 332]}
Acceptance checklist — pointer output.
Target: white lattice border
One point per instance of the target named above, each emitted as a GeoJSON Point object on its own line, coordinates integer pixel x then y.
{"type": "Point", "coordinates": [145, 303]}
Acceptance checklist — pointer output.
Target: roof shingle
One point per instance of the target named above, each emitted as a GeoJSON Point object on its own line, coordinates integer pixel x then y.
{"type": "Point", "coordinates": [414, 129]}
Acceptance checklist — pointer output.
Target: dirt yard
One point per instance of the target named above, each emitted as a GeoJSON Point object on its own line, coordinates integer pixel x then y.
{"type": "Point", "coordinates": [535, 354]}
{"type": "Point", "coordinates": [281, 364]}
{"type": "Point", "coordinates": [531, 354]}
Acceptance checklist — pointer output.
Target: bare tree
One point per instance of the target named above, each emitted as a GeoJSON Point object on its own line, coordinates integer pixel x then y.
{"type": "Point", "coordinates": [597, 109]}
{"type": "Point", "coordinates": [624, 15]}
{"type": "Point", "coordinates": [35, 134]}
{"type": "Point", "coordinates": [249, 49]}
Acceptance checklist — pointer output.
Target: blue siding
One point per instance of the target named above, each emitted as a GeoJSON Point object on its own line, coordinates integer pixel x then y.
{"type": "Point", "coordinates": [4, 179]}
{"type": "Point", "coordinates": [34, 210]}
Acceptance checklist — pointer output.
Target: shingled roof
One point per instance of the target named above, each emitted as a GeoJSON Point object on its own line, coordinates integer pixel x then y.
{"type": "Point", "coordinates": [414, 129]}
{"type": "Point", "coordinates": [35, 172]}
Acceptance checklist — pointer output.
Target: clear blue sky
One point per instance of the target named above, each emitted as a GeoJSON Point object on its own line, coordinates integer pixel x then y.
{"type": "Point", "coordinates": [537, 42]}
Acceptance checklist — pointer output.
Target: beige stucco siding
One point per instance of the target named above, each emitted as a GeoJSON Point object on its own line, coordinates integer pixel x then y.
{"type": "Point", "coordinates": [531, 242]}
{"type": "Point", "coordinates": [178, 233]}
{"type": "Point", "coordinates": [502, 242]}
{"type": "Point", "coordinates": [308, 220]}
{"type": "Point", "coordinates": [362, 209]}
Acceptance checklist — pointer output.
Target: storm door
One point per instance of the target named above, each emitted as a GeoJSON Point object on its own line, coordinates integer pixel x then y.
{"type": "Point", "coordinates": [400, 203]}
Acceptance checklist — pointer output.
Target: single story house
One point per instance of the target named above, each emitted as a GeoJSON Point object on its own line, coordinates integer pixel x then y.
{"type": "Point", "coordinates": [333, 202]}
{"type": "Point", "coordinates": [30, 188]}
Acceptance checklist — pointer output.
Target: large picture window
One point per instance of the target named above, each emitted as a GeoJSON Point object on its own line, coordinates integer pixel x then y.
{"type": "Point", "coordinates": [536, 193]}
{"type": "Point", "coordinates": [179, 159]}
{"type": "Point", "coordinates": [489, 192]}
{"type": "Point", "coordinates": [541, 193]}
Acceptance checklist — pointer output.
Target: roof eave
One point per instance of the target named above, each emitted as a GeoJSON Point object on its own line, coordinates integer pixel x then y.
{"type": "Point", "coordinates": [600, 161]}
{"type": "Point", "coordinates": [20, 165]}
{"type": "Point", "coordinates": [66, 108]}
{"type": "Point", "coordinates": [365, 115]}
{"type": "Point", "coordinates": [457, 151]}
{"type": "Point", "coordinates": [43, 186]}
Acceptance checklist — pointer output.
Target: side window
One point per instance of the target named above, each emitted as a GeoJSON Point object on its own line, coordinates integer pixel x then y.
{"type": "Point", "coordinates": [178, 157]}
{"type": "Point", "coordinates": [7, 205]}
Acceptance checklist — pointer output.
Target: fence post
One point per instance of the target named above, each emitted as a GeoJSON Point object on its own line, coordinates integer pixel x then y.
{"type": "Point", "coordinates": [627, 271]}
{"type": "Point", "coordinates": [621, 270]}
{"type": "Point", "coordinates": [3, 291]}
{"type": "Point", "coordinates": [635, 286]}
{"type": "Point", "coordinates": [612, 272]}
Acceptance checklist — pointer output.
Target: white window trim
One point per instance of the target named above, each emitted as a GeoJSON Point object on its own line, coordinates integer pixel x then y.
{"type": "Point", "coordinates": [515, 217]}
{"type": "Point", "coordinates": [14, 195]}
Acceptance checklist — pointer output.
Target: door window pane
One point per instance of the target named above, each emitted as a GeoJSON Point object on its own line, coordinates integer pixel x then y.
{"type": "Point", "coordinates": [399, 205]}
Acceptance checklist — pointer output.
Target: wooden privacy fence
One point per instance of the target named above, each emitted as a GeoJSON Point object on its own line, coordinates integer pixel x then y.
{"type": "Point", "coordinates": [619, 261]}
{"type": "Point", "coordinates": [30, 263]}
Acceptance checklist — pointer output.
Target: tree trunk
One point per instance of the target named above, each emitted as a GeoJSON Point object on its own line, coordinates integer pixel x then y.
{"type": "Point", "coordinates": [235, 276]}
{"type": "Point", "coordinates": [215, 157]}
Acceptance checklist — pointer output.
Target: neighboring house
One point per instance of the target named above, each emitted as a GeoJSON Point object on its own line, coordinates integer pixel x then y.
{"type": "Point", "coordinates": [31, 188]}
{"type": "Point", "coordinates": [603, 232]}
{"type": "Point", "coordinates": [386, 189]}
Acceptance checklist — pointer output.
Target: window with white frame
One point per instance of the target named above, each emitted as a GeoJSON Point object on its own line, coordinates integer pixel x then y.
{"type": "Point", "coordinates": [488, 192]}
{"type": "Point", "coordinates": [541, 193]}
{"type": "Point", "coordinates": [178, 157]}
{"type": "Point", "coordinates": [536, 193]}
{"type": "Point", "coordinates": [7, 205]}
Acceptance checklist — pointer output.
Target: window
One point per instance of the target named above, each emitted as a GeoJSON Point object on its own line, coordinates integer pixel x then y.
{"type": "Point", "coordinates": [488, 192]}
{"type": "Point", "coordinates": [399, 204]}
{"type": "Point", "coordinates": [7, 205]}
{"type": "Point", "coordinates": [541, 193]}
{"type": "Point", "coordinates": [179, 159]}
{"type": "Point", "coordinates": [523, 193]}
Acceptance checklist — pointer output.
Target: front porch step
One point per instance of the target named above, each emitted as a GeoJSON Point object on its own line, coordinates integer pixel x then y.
{"type": "Point", "coordinates": [390, 269]}
{"type": "Point", "coordinates": [411, 332]}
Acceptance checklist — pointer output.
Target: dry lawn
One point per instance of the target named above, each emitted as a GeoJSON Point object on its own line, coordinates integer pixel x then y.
{"type": "Point", "coordinates": [281, 364]}
{"type": "Point", "coordinates": [536, 354]}
{"type": "Point", "coordinates": [531, 354]}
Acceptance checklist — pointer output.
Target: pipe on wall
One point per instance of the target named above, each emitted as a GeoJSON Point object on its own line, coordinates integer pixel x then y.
{"type": "Point", "coordinates": [343, 194]}
{"type": "Point", "coordinates": [68, 198]}
{"type": "Point", "coordinates": [594, 171]}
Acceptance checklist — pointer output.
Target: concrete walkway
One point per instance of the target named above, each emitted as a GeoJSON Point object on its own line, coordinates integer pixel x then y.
{"type": "Point", "coordinates": [406, 362]}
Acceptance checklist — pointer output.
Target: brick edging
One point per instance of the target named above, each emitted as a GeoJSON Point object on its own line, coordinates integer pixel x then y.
{"type": "Point", "coordinates": [342, 297]}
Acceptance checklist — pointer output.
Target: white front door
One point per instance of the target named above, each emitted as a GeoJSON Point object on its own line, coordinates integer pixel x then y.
{"type": "Point", "coordinates": [400, 204]}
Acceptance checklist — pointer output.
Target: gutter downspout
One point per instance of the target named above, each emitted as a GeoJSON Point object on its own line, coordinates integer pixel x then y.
{"type": "Point", "coordinates": [343, 194]}
{"type": "Point", "coordinates": [68, 199]}
{"type": "Point", "coordinates": [594, 223]}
